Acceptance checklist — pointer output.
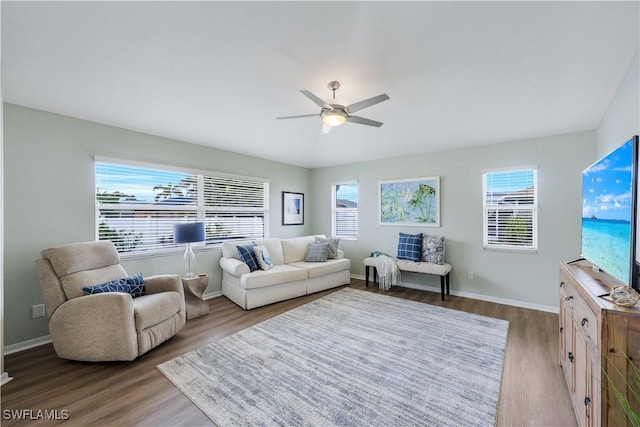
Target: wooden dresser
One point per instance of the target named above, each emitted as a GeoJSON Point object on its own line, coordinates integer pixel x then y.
{"type": "Point", "coordinates": [599, 342]}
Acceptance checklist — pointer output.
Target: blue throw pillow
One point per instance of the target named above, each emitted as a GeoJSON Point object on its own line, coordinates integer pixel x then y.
{"type": "Point", "coordinates": [118, 285]}
{"type": "Point", "coordinates": [248, 257]}
{"type": "Point", "coordinates": [136, 285]}
{"type": "Point", "coordinates": [317, 252]}
{"type": "Point", "coordinates": [410, 246]}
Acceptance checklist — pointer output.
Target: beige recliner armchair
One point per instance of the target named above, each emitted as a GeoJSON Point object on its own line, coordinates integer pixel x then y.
{"type": "Point", "coordinates": [105, 326]}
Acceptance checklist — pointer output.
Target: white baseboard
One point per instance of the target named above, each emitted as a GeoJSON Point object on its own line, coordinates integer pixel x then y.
{"type": "Point", "coordinates": [210, 295]}
{"type": "Point", "coordinates": [5, 379]}
{"type": "Point", "coordinates": [515, 303]}
{"type": "Point", "coordinates": [25, 345]}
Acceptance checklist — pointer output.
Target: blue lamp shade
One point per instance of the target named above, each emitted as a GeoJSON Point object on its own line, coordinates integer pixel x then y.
{"type": "Point", "coordinates": [189, 232]}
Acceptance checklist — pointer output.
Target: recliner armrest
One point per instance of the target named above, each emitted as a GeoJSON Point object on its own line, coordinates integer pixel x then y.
{"type": "Point", "coordinates": [163, 283]}
{"type": "Point", "coordinates": [233, 266]}
{"type": "Point", "coordinates": [95, 328]}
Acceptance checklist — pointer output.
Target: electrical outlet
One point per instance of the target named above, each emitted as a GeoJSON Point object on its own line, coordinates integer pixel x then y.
{"type": "Point", "coordinates": [470, 275]}
{"type": "Point", "coordinates": [37, 311]}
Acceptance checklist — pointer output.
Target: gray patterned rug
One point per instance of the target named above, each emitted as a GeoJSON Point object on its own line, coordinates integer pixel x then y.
{"type": "Point", "coordinates": [351, 358]}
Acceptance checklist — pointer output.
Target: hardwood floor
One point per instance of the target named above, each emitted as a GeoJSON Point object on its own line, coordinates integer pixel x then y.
{"type": "Point", "coordinates": [533, 392]}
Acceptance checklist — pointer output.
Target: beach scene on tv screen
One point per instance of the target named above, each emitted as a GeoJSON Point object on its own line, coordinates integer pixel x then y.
{"type": "Point", "coordinates": [606, 212]}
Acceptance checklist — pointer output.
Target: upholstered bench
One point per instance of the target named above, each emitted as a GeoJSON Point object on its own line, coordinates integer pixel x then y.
{"type": "Point", "coordinates": [443, 271]}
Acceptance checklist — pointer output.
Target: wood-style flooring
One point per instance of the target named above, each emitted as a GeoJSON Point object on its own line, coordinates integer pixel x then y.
{"type": "Point", "coordinates": [534, 392]}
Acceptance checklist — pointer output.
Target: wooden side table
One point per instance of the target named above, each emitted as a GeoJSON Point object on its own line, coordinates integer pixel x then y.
{"type": "Point", "coordinates": [194, 287]}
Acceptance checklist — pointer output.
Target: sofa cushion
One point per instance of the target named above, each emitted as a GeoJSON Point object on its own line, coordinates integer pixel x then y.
{"type": "Point", "coordinates": [274, 246]}
{"type": "Point", "coordinates": [248, 257]}
{"type": "Point", "coordinates": [317, 252]}
{"type": "Point", "coordinates": [410, 246]}
{"type": "Point", "coordinates": [133, 285]}
{"type": "Point", "coordinates": [229, 249]}
{"type": "Point", "coordinates": [295, 249]}
{"type": "Point", "coordinates": [333, 245]}
{"type": "Point", "coordinates": [317, 269]}
{"type": "Point", "coordinates": [117, 285]}
{"type": "Point", "coordinates": [433, 249]}
{"type": "Point", "coordinates": [276, 275]}
{"type": "Point", "coordinates": [136, 285]}
{"type": "Point", "coordinates": [152, 309]}
{"type": "Point", "coordinates": [264, 258]}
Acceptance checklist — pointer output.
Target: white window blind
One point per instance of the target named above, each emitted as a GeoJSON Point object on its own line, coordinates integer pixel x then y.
{"type": "Point", "coordinates": [510, 204]}
{"type": "Point", "coordinates": [137, 206]}
{"type": "Point", "coordinates": [344, 210]}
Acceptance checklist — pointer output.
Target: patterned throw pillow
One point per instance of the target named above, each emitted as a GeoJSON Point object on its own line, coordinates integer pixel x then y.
{"type": "Point", "coordinates": [333, 246]}
{"type": "Point", "coordinates": [317, 252]}
{"type": "Point", "coordinates": [410, 246]}
{"type": "Point", "coordinates": [136, 285]}
{"type": "Point", "coordinates": [263, 256]}
{"type": "Point", "coordinates": [433, 249]}
{"type": "Point", "coordinates": [118, 285]}
{"type": "Point", "coordinates": [248, 257]}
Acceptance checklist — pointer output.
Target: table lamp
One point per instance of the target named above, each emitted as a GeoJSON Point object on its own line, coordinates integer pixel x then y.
{"type": "Point", "coordinates": [188, 233]}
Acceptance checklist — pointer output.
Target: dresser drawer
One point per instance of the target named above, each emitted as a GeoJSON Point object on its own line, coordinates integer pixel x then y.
{"type": "Point", "coordinates": [586, 319]}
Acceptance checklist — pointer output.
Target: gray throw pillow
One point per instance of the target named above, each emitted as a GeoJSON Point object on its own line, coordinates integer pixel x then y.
{"type": "Point", "coordinates": [333, 246]}
{"type": "Point", "coordinates": [317, 252]}
{"type": "Point", "coordinates": [433, 249]}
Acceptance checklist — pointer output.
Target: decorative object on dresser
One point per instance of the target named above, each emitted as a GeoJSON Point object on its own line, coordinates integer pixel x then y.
{"type": "Point", "coordinates": [189, 233]}
{"type": "Point", "coordinates": [194, 287]}
{"type": "Point", "coordinates": [351, 358]}
{"type": "Point", "coordinates": [599, 346]}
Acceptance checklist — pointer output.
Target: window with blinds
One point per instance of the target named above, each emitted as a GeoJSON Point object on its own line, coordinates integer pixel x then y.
{"type": "Point", "coordinates": [137, 206]}
{"type": "Point", "coordinates": [510, 201]}
{"type": "Point", "coordinates": [344, 210]}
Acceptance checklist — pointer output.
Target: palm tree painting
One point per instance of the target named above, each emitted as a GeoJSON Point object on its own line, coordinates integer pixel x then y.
{"type": "Point", "coordinates": [413, 201]}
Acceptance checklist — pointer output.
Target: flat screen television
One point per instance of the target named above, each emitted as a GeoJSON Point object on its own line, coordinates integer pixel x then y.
{"type": "Point", "coordinates": [609, 213]}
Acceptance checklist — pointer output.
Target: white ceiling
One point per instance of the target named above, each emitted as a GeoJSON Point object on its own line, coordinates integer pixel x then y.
{"type": "Point", "coordinates": [218, 73]}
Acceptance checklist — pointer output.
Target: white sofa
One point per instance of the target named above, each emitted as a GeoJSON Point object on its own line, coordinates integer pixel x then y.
{"type": "Point", "coordinates": [290, 276]}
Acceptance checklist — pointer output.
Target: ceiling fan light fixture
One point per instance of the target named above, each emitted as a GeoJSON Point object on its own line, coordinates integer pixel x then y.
{"type": "Point", "coordinates": [334, 118]}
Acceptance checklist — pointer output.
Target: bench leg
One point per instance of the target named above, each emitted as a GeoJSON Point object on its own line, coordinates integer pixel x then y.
{"type": "Point", "coordinates": [366, 275]}
{"type": "Point", "coordinates": [448, 283]}
{"type": "Point", "coordinates": [442, 287]}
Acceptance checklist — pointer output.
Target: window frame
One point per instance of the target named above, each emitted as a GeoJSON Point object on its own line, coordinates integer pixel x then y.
{"type": "Point", "coordinates": [335, 210]}
{"type": "Point", "coordinates": [200, 209]}
{"type": "Point", "coordinates": [533, 208]}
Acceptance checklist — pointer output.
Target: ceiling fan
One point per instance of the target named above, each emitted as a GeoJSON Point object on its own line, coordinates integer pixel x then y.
{"type": "Point", "coordinates": [334, 114]}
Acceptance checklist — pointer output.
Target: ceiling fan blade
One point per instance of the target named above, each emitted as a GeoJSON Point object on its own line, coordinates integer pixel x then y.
{"type": "Point", "coordinates": [316, 99]}
{"type": "Point", "coordinates": [357, 106]}
{"type": "Point", "coordinates": [363, 121]}
{"type": "Point", "coordinates": [298, 117]}
{"type": "Point", "coordinates": [326, 129]}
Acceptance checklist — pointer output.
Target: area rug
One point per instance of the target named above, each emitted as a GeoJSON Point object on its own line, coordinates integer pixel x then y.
{"type": "Point", "coordinates": [351, 358]}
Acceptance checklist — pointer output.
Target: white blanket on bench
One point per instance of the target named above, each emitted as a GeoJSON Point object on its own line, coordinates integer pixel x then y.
{"type": "Point", "coordinates": [388, 272]}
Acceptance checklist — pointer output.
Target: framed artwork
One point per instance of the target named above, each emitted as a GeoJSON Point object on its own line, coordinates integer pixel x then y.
{"type": "Point", "coordinates": [414, 201]}
{"type": "Point", "coordinates": [292, 208]}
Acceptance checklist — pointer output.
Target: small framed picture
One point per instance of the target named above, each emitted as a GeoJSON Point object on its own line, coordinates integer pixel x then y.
{"type": "Point", "coordinates": [292, 208]}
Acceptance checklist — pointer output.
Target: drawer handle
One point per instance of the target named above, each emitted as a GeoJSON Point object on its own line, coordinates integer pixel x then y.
{"type": "Point", "coordinates": [570, 355]}
{"type": "Point", "coordinates": [568, 298]}
{"type": "Point", "coordinates": [585, 320]}
{"type": "Point", "coordinates": [561, 329]}
{"type": "Point", "coordinates": [561, 284]}
{"type": "Point", "coordinates": [587, 400]}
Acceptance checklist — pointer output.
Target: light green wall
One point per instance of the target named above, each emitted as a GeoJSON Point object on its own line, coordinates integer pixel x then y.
{"type": "Point", "coordinates": [622, 119]}
{"type": "Point", "coordinates": [50, 193]}
{"type": "Point", "coordinates": [528, 278]}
